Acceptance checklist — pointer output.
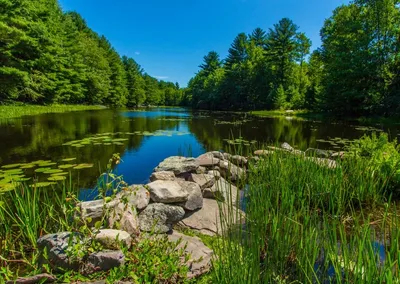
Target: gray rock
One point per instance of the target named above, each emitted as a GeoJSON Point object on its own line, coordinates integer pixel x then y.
{"type": "Point", "coordinates": [178, 165]}
{"type": "Point", "coordinates": [40, 278]}
{"type": "Point", "coordinates": [165, 191]}
{"type": "Point", "coordinates": [239, 160]}
{"type": "Point", "coordinates": [207, 160]}
{"type": "Point", "coordinates": [201, 170]}
{"type": "Point", "coordinates": [104, 260]}
{"type": "Point", "coordinates": [218, 155]}
{"type": "Point", "coordinates": [124, 217]}
{"type": "Point", "coordinates": [195, 198]}
{"type": "Point", "coordinates": [215, 173]}
{"type": "Point", "coordinates": [231, 171]}
{"type": "Point", "coordinates": [223, 191]}
{"type": "Point", "coordinates": [227, 156]}
{"type": "Point", "coordinates": [93, 210]}
{"type": "Point", "coordinates": [160, 217]}
{"type": "Point", "coordinates": [287, 147]}
{"type": "Point", "coordinates": [199, 262]}
{"type": "Point", "coordinates": [162, 175]}
{"type": "Point", "coordinates": [338, 155]}
{"type": "Point", "coordinates": [56, 246]}
{"type": "Point", "coordinates": [263, 152]}
{"type": "Point", "coordinates": [204, 180]}
{"type": "Point", "coordinates": [207, 220]}
{"type": "Point", "coordinates": [112, 239]}
{"type": "Point", "coordinates": [136, 195]}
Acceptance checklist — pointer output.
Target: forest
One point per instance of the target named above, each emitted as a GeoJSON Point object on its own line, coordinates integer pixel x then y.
{"type": "Point", "coordinates": [356, 71]}
{"type": "Point", "coordinates": [48, 56]}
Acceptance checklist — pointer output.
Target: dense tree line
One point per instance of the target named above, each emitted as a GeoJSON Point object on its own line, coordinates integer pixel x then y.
{"type": "Point", "coordinates": [48, 56]}
{"type": "Point", "coordinates": [356, 71]}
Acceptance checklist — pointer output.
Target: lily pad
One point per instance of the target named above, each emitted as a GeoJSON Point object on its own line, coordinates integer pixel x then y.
{"type": "Point", "coordinates": [13, 172]}
{"type": "Point", "coordinates": [60, 174]}
{"type": "Point", "coordinates": [77, 145]}
{"type": "Point", "coordinates": [53, 171]}
{"type": "Point", "coordinates": [41, 170]}
{"type": "Point", "coordinates": [28, 166]}
{"type": "Point", "coordinates": [68, 159]}
{"type": "Point", "coordinates": [41, 165]}
{"type": "Point", "coordinates": [7, 187]}
{"type": "Point", "coordinates": [56, 178]}
{"type": "Point", "coordinates": [42, 184]}
{"type": "Point", "coordinates": [107, 144]}
{"type": "Point", "coordinates": [83, 166]}
{"type": "Point", "coordinates": [11, 166]}
{"type": "Point", "coordinates": [66, 166]}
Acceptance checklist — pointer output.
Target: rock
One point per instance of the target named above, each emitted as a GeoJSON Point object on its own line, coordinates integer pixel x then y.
{"type": "Point", "coordinates": [40, 278]}
{"type": "Point", "coordinates": [124, 217]}
{"type": "Point", "coordinates": [298, 152]}
{"type": "Point", "coordinates": [287, 147]}
{"type": "Point", "coordinates": [231, 171]}
{"type": "Point", "coordinates": [201, 170]}
{"type": "Point", "coordinates": [204, 181]}
{"type": "Point", "coordinates": [199, 262]}
{"type": "Point", "coordinates": [222, 190]}
{"type": "Point", "coordinates": [218, 155]}
{"type": "Point", "coordinates": [136, 195]}
{"type": "Point", "coordinates": [165, 191]}
{"type": "Point", "coordinates": [311, 152]}
{"type": "Point", "coordinates": [162, 175]}
{"type": "Point", "coordinates": [93, 210]}
{"type": "Point", "coordinates": [207, 160]}
{"type": "Point", "coordinates": [239, 160]}
{"type": "Point", "coordinates": [207, 220]}
{"type": "Point", "coordinates": [215, 173]}
{"type": "Point", "coordinates": [337, 155]}
{"type": "Point", "coordinates": [160, 217]}
{"type": "Point", "coordinates": [178, 165]}
{"type": "Point", "coordinates": [263, 152]}
{"type": "Point", "coordinates": [195, 198]}
{"type": "Point", "coordinates": [104, 260]}
{"type": "Point", "coordinates": [227, 156]}
{"type": "Point", "coordinates": [331, 164]}
{"type": "Point", "coordinates": [112, 239]}
{"type": "Point", "coordinates": [56, 246]}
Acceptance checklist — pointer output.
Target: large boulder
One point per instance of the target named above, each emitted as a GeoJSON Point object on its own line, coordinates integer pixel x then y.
{"type": "Point", "coordinates": [160, 217]}
{"type": "Point", "coordinates": [104, 260]}
{"type": "Point", "coordinates": [112, 239]}
{"type": "Point", "coordinates": [56, 246]}
{"type": "Point", "coordinates": [162, 175]}
{"type": "Point", "coordinates": [207, 220]}
{"type": "Point", "coordinates": [136, 196]}
{"type": "Point", "coordinates": [165, 191]}
{"type": "Point", "coordinates": [124, 217]}
{"type": "Point", "coordinates": [200, 255]}
{"type": "Point", "coordinates": [222, 190]}
{"type": "Point", "coordinates": [203, 180]}
{"type": "Point", "coordinates": [231, 171]}
{"type": "Point", "coordinates": [92, 211]}
{"type": "Point", "coordinates": [178, 165]}
{"type": "Point", "coordinates": [207, 160]}
{"type": "Point", "coordinates": [195, 198]}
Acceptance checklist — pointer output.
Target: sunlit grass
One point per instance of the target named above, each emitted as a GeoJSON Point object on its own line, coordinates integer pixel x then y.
{"type": "Point", "coordinates": [23, 110]}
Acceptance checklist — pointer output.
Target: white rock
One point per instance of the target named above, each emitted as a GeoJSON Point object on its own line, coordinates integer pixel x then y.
{"type": "Point", "coordinates": [112, 239]}
{"type": "Point", "coordinates": [162, 175]}
{"type": "Point", "coordinates": [165, 191]}
{"type": "Point", "coordinates": [203, 180]}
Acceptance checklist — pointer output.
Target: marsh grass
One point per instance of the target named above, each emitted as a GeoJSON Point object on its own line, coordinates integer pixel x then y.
{"type": "Point", "coordinates": [23, 110]}
{"type": "Point", "coordinates": [310, 224]}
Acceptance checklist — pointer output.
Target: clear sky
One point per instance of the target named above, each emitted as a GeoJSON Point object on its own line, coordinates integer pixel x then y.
{"type": "Point", "coordinates": [169, 38]}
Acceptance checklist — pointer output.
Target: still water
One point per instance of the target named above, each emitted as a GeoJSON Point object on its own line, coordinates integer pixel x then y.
{"type": "Point", "coordinates": [144, 138]}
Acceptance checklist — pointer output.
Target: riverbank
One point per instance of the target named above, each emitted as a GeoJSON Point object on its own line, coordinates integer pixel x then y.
{"type": "Point", "coordinates": [310, 216]}
{"type": "Point", "coordinates": [15, 111]}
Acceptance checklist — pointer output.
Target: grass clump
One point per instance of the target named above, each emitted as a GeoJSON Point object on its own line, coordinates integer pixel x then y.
{"type": "Point", "coordinates": [12, 111]}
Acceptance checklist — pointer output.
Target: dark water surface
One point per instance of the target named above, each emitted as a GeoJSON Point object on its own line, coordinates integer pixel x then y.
{"type": "Point", "coordinates": [144, 138]}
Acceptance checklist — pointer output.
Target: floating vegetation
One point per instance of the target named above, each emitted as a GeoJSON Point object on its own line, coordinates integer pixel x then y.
{"type": "Point", "coordinates": [240, 141]}
{"type": "Point", "coordinates": [42, 184]}
{"type": "Point", "coordinates": [60, 174]}
{"type": "Point", "coordinates": [11, 166]}
{"type": "Point", "coordinates": [13, 172]}
{"type": "Point", "coordinates": [53, 171]}
{"type": "Point", "coordinates": [368, 128]}
{"type": "Point", "coordinates": [47, 164]}
{"type": "Point", "coordinates": [56, 178]}
{"type": "Point", "coordinates": [66, 166]}
{"type": "Point", "coordinates": [83, 166]}
{"type": "Point", "coordinates": [236, 122]}
{"type": "Point", "coordinates": [68, 159]}
{"type": "Point", "coordinates": [28, 166]}
{"type": "Point", "coordinates": [41, 170]}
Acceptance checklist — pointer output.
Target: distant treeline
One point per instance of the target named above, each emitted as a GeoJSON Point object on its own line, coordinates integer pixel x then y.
{"type": "Point", "coordinates": [356, 71]}
{"type": "Point", "coordinates": [48, 56]}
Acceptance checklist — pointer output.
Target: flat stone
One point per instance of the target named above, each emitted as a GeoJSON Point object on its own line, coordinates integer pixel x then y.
{"type": "Point", "coordinates": [112, 239]}
{"type": "Point", "coordinates": [40, 278]}
{"type": "Point", "coordinates": [222, 190]}
{"type": "Point", "coordinates": [93, 210]}
{"type": "Point", "coordinates": [136, 195]}
{"type": "Point", "coordinates": [195, 198]}
{"type": "Point", "coordinates": [207, 160]}
{"type": "Point", "coordinates": [160, 217]}
{"type": "Point", "coordinates": [207, 220]}
{"type": "Point", "coordinates": [231, 171]}
{"type": "Point", "coordinates": [200, 258]}
{"type": "Point", "coordinates": [56, 246]}
{"type": "Point", "coordinates": [263, 152]}
{"type": "Point", "coordinates": [203, 180]}
{"type": "Point", "coordinates": [165, 191]}
{"type": "Point", "coordinates": [178, 165]}
{"type": "Point", "coordinates": [104, 260]}
{"type": "Point", "coordinates": [162, 175]}
{"type": "Point", "coordinates": [124, 217]}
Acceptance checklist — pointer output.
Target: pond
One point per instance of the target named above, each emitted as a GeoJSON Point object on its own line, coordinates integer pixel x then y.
{"type": "Point", "coordinates": [88, 139]}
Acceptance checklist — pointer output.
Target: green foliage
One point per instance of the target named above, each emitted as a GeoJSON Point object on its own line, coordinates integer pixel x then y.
{"type": "Point", "coordinates": [47, 57]}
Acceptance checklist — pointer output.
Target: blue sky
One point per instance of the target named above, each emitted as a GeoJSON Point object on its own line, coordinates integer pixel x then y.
{"type": "Point", "coordinates": [169, 38]}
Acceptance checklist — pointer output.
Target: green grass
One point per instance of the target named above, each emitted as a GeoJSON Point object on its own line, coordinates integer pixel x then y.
{"type": "Point", "coordinates": [309, 224]}
{"type": "Point", "coordinates": [23, 110]}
